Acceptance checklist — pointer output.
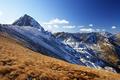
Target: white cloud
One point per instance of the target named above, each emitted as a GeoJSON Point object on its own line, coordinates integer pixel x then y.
{"type": "Point", "coordinates": [57, 21]}
{"type": "Point", "coordinates": [57, 24]}
{"type": "Point", "coordinates": [91, 25]}
{"type": "Point", "coordinates": [68, 27]}
{"type": "Point", "coordinates": [87, 30]}
{"type": "Point", "coordinates": [114, 27]}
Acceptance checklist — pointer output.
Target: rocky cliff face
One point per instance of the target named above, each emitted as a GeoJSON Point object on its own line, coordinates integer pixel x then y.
{"type": "Point", "coordinates": [102, 45]}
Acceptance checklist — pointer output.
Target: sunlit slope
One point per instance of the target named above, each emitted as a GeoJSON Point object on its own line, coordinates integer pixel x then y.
{"type": "Point", "coordinates": [20, 63]}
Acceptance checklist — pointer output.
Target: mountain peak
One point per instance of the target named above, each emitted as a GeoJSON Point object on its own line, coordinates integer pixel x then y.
{"type": "Point", "coordinates": [27, 20]}
{"type": "Point", "coordinates": [27, 15]}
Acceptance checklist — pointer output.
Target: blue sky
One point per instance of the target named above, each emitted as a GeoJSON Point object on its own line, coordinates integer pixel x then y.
{"type": "Point", "coordinates": [66, 15]}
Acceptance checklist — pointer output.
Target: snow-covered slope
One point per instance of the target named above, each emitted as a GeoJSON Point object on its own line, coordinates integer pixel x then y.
{"type": "Point", "coordinates": [99, 45]}
{"type": "Point", "coordinates": [39, 40]}
{"type": "Point", "coordinates": [29, 32]}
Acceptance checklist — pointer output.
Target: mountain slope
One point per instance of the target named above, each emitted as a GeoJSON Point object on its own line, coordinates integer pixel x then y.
{"type": "Point", "coordinates": [39, 40]}
{"type": "Point", "coordinates": [20, 63]}
{"type": "Point", "coordinates": [97, 44]}
{"type": "Point", "coordinates": [46, 43]}
{"type": "Point", "coordinates": [33, 36]}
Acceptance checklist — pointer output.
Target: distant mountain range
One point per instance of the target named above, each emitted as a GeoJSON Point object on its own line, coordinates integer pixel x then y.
{"type": "Point", "coordinates": [97, 50]}
{"type": "Point", "coordinates": [102, 45]}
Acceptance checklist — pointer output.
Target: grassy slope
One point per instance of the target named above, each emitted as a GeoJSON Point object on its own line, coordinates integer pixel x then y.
{"type": "Point", "coordinates": [20, 63]}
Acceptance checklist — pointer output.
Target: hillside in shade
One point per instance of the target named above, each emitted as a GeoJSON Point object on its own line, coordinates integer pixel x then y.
{"type": "Point", "coordinates": [103, 45]}
{"type": "Point", "coordinates": [20, 63]}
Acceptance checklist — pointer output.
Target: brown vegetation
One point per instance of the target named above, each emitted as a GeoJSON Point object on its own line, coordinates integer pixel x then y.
{"type": "Point", "coordinates": [108, 50]}
{"type": "Point", "coordinates": [20, 63]}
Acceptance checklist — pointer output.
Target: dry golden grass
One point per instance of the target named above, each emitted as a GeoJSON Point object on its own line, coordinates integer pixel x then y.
{"type": "Point", "coordinates": [20, 63]}
{"type": "Point", "coordinates": [118, 38]}
{"type": "Point", "coordinates": [108, 51]}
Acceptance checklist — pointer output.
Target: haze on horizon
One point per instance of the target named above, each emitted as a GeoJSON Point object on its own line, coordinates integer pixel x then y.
{"type": "Point", "coordinates": [65, 15]}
